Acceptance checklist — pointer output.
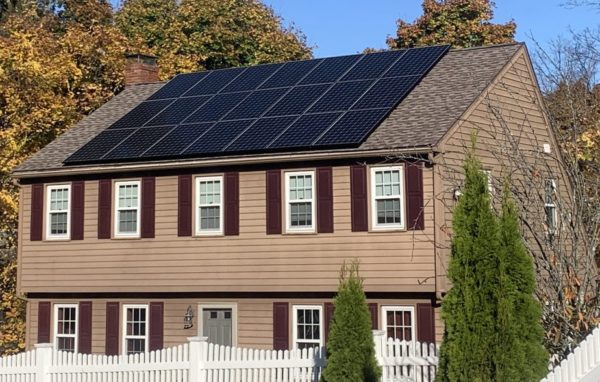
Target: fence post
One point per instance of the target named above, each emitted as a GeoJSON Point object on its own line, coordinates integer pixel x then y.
{"type": "Point", "coordinates": [43, 361]}
{"type": "Point", "coordinates": [197, 358]}
{"type": "Point", "coordinates": [379, 339]}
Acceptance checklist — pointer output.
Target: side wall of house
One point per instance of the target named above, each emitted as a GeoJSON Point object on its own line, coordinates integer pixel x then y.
{"type": "Point", "coordinates": [510, 129]}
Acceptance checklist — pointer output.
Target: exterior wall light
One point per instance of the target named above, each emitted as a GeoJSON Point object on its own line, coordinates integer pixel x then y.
{"type": "Point", "coordinates": [188, 318]}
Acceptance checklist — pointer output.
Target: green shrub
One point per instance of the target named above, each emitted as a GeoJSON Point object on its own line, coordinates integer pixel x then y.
{"type": "Point", "coordinates": [350, 348]}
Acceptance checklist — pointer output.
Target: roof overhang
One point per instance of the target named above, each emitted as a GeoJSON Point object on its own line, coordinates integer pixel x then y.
{"type": "Point", "coordinates": [221, 161]}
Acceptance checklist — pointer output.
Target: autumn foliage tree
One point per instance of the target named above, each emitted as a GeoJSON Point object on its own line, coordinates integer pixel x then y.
{"type": "Point", "coordinates": [460, 23]}
{"type": "Point", "coordinates": [62, 59]}
{"type": "Point", "coordinates": [194, 35]}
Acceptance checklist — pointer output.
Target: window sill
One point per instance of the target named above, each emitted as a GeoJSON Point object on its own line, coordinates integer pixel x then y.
{"type": "Point", "coordinates": [388, 229]}
{"type": "Point", "coordinates": [56, 239]}
{"type": "Point", "coordinates": [126, 237]}
{"type": "Point", "coordinates": [198, 235]}
{"type": "Point", "coordinates": [294, 233]}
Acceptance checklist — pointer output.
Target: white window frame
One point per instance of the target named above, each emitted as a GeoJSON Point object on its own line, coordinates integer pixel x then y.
{"type": "Point", "coordinates": [125, 337]}
{"type": "Point", "coordinates": [295, 339]}
{"type": "Point", "coordinates": [288, 202]}
{"type": "Point", "coordinates": [551, 231]}
{"type": "Point", "coordinates": [197, 206]}
{"type": "Point", "coordinates": [118, 184]}
{"type": "Point", "coordinates": [76, 335]}
{"type": "Point", "coordinates": [399, 308]}
{"type": "Point", "coordinates": [49, 189]}
{"type": "Point", "coordinates": [374, 224]}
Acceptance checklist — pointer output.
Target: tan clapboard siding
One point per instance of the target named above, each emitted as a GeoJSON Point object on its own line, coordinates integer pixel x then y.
{"type": "Point", "coordinates": [254, 318]}
{"type": "Point", "coordinates": [514, 96]}
{"type": "Point", "coordinates": [439, 325]}
{"type": "Point", "coordinates": [252, 261]}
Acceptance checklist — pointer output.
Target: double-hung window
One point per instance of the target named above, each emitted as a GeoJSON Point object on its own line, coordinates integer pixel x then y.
{"type": "Point", "coordinates": [308, 326]}
{"type": "Point", "coordinates": [300, 205]}
{"type": "Point", "coordinates": [550, 205]}
{"type": "Point", "coordinates": [387, 197]}
{"type": "Point", "coordinates": [399, 322]}
{"type": "Point", "coordinates": [127, 212]}
{"type": "Point", "coordinates": [135, 329]}
{"type": "Point", "coordinates": [65, 327]}
{"type": "Point", "coordinates": [209, 205]}
{"type": "Point", "coordinates": [58, 218]}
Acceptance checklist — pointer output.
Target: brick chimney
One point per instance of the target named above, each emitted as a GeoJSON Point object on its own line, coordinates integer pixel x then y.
{"type": "Point", "coordinates": [140, 69]}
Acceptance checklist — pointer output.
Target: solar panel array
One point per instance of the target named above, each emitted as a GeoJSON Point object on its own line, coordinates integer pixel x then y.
{"type": "Point", "coordinates": [313, 104]}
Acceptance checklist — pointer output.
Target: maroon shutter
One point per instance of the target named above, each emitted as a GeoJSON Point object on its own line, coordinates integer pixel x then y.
{"type": "Point", "coordinates": [148, 201]}
{"type": "Point", "coordinates": [374, 316]}
{"type": "Point", "coordinates": [425, 323]}
{"type": "Point", "coordinates": [359, 203]}
{"type": "Point", "coordinates": [324, 200]}
{"type": "Point", "coordinates": [329, 308]}
{"type": "Point", "coordinates": [112, 328]}
{"type": "Point", "coordinates": [104, 208]}
{"type": "Point", "coordinates": [156, 325]}
{"type": "Point", "coordinates": [280, 325]}
{"type": "Point", "coordinates": [44, 322]}
{"type": "Point", "coordinates": [232, 203]}
{"type": "Point", "coordinates": [85, 327]}
{"type": "Point", "coordinates": [414, 196]}
{"type": "Point", "coordinates": [273, 202]}
{"type": "Point", "coordinates": [77, 209]}
{"type": "Point", "coordinates": [184, 206]}
{"type": "Point", "coordinates": [37, 212]}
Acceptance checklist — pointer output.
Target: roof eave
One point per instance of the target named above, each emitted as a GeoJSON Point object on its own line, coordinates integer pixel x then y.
{"type": "Point", "coordinates": [213, 162]}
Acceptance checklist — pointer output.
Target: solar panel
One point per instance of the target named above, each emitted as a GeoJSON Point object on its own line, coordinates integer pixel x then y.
{"type": "Point", "coordinates": [141, 114]}
{"type": "Point", "coordinates": [100, 145]}
{"type": "Point", "coordinates": [387, 92]}
{"type": "Point", "coordinates": [330, 69]}
{"type": "Point", "coordinates": [214, 82]}
{"type": "Point", "coordinates": [305, 130]}
{"type": "Point", "coordinates": [417, 61]}
{"type": "Point", "coordinates": [138, 142]}
{"type": "Point", "coordinates": [290, 74]}
{"type": "Point", "coordinates": [178, 111]}
{"type": "Point", "coordinates": [319, 103]}
{"type": "Point", "coordinates": [217, 107]}
{"type": "Point", "coordinates": [178, 85]}
{"type": "Point", "coordinates": [260, 134]}
{"type": "Point", "coordinates": [372, 65]}
{"type": "Point", "coordinates": [252, 78]}
{"type": "Point", "coordinates": [177, 140]}
{"type": "Point", "coordinates": [256, 104]}
{"type": "Point", "coordinates": [298, 100]}
{"type": "Point", "coordinates": [218, 137]}
{"type": "Point", "coordinates": [352, 127]}
{"type": "Point", "coordinates": [341, 96]}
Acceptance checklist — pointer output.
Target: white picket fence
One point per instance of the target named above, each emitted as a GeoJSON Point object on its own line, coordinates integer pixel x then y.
{"type": "Point", "coordinates": [199, 361]}
{"type": "Point", "coordinates": [582, 365]}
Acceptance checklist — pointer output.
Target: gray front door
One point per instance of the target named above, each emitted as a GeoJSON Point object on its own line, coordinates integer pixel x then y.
{"type": "Point", "coordinates": [216, 325]}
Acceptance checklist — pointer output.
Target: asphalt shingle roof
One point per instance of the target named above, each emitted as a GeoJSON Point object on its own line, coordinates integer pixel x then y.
{"type": "Point", "coordinates": [421, 119]}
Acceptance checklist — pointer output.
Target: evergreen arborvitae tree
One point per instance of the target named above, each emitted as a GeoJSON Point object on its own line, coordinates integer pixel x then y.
{"type": "Point", "coordinates": [469, 307]}
{"type": "Point", "coordinates": [350, 348]}
{"type": "Point", "coordinates": [492, 320]}
{"type": "Point", "coordinates": [520, 354]}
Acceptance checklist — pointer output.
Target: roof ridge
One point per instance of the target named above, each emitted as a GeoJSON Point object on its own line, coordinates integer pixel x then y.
{"type": "Point", "coordinates": [454, 50]}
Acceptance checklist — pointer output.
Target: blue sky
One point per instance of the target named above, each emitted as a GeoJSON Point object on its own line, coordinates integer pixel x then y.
{"type": "Point", "coordinates": [337, 27]}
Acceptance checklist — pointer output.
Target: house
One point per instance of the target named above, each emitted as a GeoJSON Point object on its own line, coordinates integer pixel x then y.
{"type": "Point", "coordinates": [224, 203]}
